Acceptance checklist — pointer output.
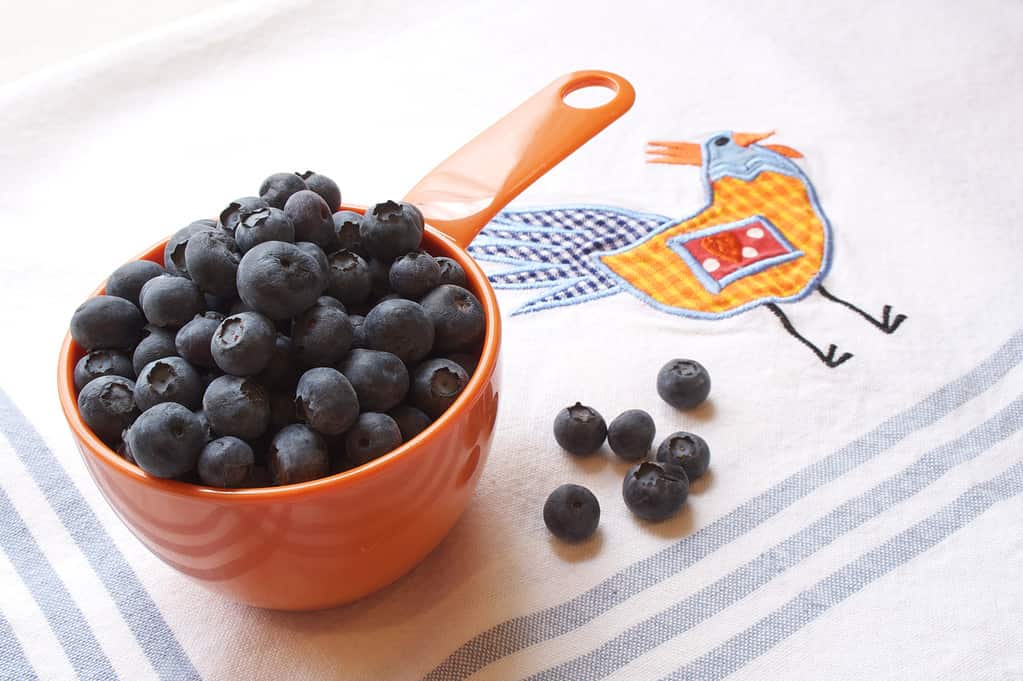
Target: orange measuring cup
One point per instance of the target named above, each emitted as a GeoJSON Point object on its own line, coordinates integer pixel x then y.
{"type": "Point", "coordinates": [325, 542]}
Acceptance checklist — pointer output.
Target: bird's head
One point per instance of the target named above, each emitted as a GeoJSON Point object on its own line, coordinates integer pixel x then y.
{"type": "Point", "coordinates": [736, 154]}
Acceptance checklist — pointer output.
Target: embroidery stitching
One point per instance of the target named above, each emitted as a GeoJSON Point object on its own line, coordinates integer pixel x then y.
{"type": "Point", "coordinates": [677, 244]}
{"type": "Point", "coordinates": [552, 249]}
{"type": "Point", "coordinates": [709, 265]}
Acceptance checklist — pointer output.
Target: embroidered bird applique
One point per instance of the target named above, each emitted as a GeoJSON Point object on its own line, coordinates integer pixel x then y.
{"type": "Point", "coordinates": [762, 239]}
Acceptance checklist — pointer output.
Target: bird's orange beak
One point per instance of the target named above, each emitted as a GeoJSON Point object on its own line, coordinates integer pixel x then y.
{"type": "Point", "coordinates": [679, 153]}
{"type": "Point", "coordinates": [744, 139]}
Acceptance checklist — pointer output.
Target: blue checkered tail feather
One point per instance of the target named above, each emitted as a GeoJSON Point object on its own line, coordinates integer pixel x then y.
{"type": "Point", "coordinates": [557, 250]}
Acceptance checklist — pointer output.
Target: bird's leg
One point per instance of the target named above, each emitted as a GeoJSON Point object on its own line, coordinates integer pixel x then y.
{"type": "Point", "coordinates": [828, 357]}
{"type": "Point", "coordinates": [886, 323]}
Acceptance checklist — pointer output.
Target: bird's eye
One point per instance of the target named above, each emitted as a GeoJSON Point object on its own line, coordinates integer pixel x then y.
{"type": "Point", "coordinates": [721, 141]}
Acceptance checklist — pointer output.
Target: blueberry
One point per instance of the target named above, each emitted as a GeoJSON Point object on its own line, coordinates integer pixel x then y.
{"type": "Point", "coordinates": [683, 383]}
{"type": "Point", "coordinates": [107, 405]}
{"type": "Point", "coordinates": [655, 491]}
{"type": "Point", "coordinates": [267, 224]}
{"type": "Point", "coordinates": [207, 376]}
{"type": "Point", "coordinates": [127, 280]}
{"type": "Point", "coordinates": [297, 454]}
{"type": "Point", "coordinates": [108, 323]}
{"type": "Point", "coordinates": [283, 326]}
{"type": "Point", "coordinates": [465, 360]}
{"type": "Point", "coordinates": [174, 251]}
{"type": "Point", "coordinates": [347, 224]}
{"type": "Point", "coordinates": [324, 186]}
{"type": "Point", "coordinates": [171, 301]}
{"type": "Point", "coordinates": [237, 406]}
{"type": "Point", "coordinates": [279, 279]}
{"type": "Point", "coordinates": [687, 450]}
{"type": "Point", "coordinates": [579, 429]}
{"type": "Point", "coordinates": [156, 343]}
{"type": "Point", "coordinates": [261, 445]}
{"type": "Point", "coordinates": [348, 277]}
{"type": "Point", "coordinates": [238, 210]}
{"type": "Point", "coordinates": [411, 421]}
{"type": "Point", "coordinates": [313, 219]}
{"type": "Point", "coordinates": [379, 276]}
{"type": "Point", "coordinates": [358, 331]}
{"type": "Point", "coordinates": [219, 304]}
{"type": "Point", "coordinates": [166, 440]}
{"type": "Point", "coordinates": [280, 372]}
{"type": "Point", "coordinates": [282, 410]}
{"type": "Point", "coordinates": [239, 306]}
{"type": "Point", "coordinates": [321, 335]}
{"type": "Point", "coordinates": [331, 301]}
{"type": "Point", "coordinates": [243, 344]}
{"type": "Point", "coordinates": [413, 213]}
{"type": "Point", "coordinates": [170, 379]}
{"type": "Point", "coordinates": [321, 259]}
{"type": "Point", "coordinates": [571, 513]}
{"type": "Point", "coordinates": [278, 188]}
{"type": "Point", "coordinates": [259, 477]}
{"type": "Point", "coordinates": [380, 379]}
{"type": "Point", "coordinates": [207, 429]}
{"type": "Point", "coordinates": [212, 260]}
{"type": "Point", "coordinates": [457, 316]}
{"type": "Point", "coordinates": [102, 363]}
{"type": "Point", "coordinates": [451, 272]}
{"type": "Point", "coordinates": [226, 462]}
{"type": "Point", "coordinates": [339, 462]}
{"type": "Point", "coordinates": [400, 327]}
{"type": "Point", "coordinates": [390, 229]}
{"type": "Point", "coordinates": [630, 434]}
{"type": "Point", "coordinates": [193, 339]}
{"type": "Point", "coordinates": [124, 451]}
{"type": "Point", "coordinates": [413, 274]}
{"type": "Point", "coordinates": [326, 401]}
{"type": "Point", "coordinates": [436, 384]}
{"type": "Point", "coordinates": [372, 436]}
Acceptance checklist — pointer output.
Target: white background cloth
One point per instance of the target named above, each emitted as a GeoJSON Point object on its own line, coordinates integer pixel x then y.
{"type": "Point", "coordinates": [908, 116]}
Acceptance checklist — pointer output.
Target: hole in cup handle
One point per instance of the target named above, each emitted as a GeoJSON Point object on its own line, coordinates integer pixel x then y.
{"type": "Point", "coordinates": [591, 90]}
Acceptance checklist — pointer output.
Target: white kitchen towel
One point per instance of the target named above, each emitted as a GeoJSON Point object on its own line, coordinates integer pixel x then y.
{"type": "Point", "coordinates": [860, 521]}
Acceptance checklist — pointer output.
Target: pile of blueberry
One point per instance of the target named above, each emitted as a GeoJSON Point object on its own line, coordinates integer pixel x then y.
{"type": "Point", "coordinates": [284, 342]}
{"type": "Point", "coordinates": [653, 490]}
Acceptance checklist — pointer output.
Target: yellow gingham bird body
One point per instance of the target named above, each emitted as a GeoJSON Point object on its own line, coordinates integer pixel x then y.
{"type": "Point", "coordinates": [763, 238]}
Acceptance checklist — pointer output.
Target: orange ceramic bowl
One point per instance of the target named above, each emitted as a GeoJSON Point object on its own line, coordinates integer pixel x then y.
{"type": "Point", "coordinates": [321, 543]}
{"type": "Point", "coordinates": [329, 541]}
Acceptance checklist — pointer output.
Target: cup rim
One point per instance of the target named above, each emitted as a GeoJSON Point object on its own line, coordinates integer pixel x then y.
{"type": "Point", "coordinates": [92, 446]}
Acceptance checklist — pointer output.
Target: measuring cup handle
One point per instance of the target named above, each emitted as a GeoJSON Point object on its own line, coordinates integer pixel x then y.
{"type": "Point", "coordinates": [462, 194]}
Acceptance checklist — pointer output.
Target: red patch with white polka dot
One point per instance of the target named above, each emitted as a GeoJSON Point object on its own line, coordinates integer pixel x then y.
{"type": "Point", "coordinates": [725, 252]}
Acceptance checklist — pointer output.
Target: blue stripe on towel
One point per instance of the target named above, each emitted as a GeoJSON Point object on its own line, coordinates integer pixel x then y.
{"type": "Point", "coordinates": [13, 664]}
{"type": "Point", "coordinates": [521, 632]}
{"type": "Point", "coordinates": [155, 637]}
{"type": "Point", "coordinates": [839, 585]}
{"type": "Point", "coordinates": [733, 587]}
{"type": "Point", "coordinates": [67, 622]}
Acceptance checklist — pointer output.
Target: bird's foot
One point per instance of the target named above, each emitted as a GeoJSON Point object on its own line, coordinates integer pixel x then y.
{"type": "Point", "coordinates": [829, 357]}
{"type": "Point", "coordinates": [888, 324]}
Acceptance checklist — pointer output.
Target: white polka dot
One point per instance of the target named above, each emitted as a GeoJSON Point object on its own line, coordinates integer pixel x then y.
{"type": "Point", "coordinates": [711, 264]}
{"type": "Point", "coordinates": [755, 233]}
{"type": "Point", "coordinates": [749, 252]}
